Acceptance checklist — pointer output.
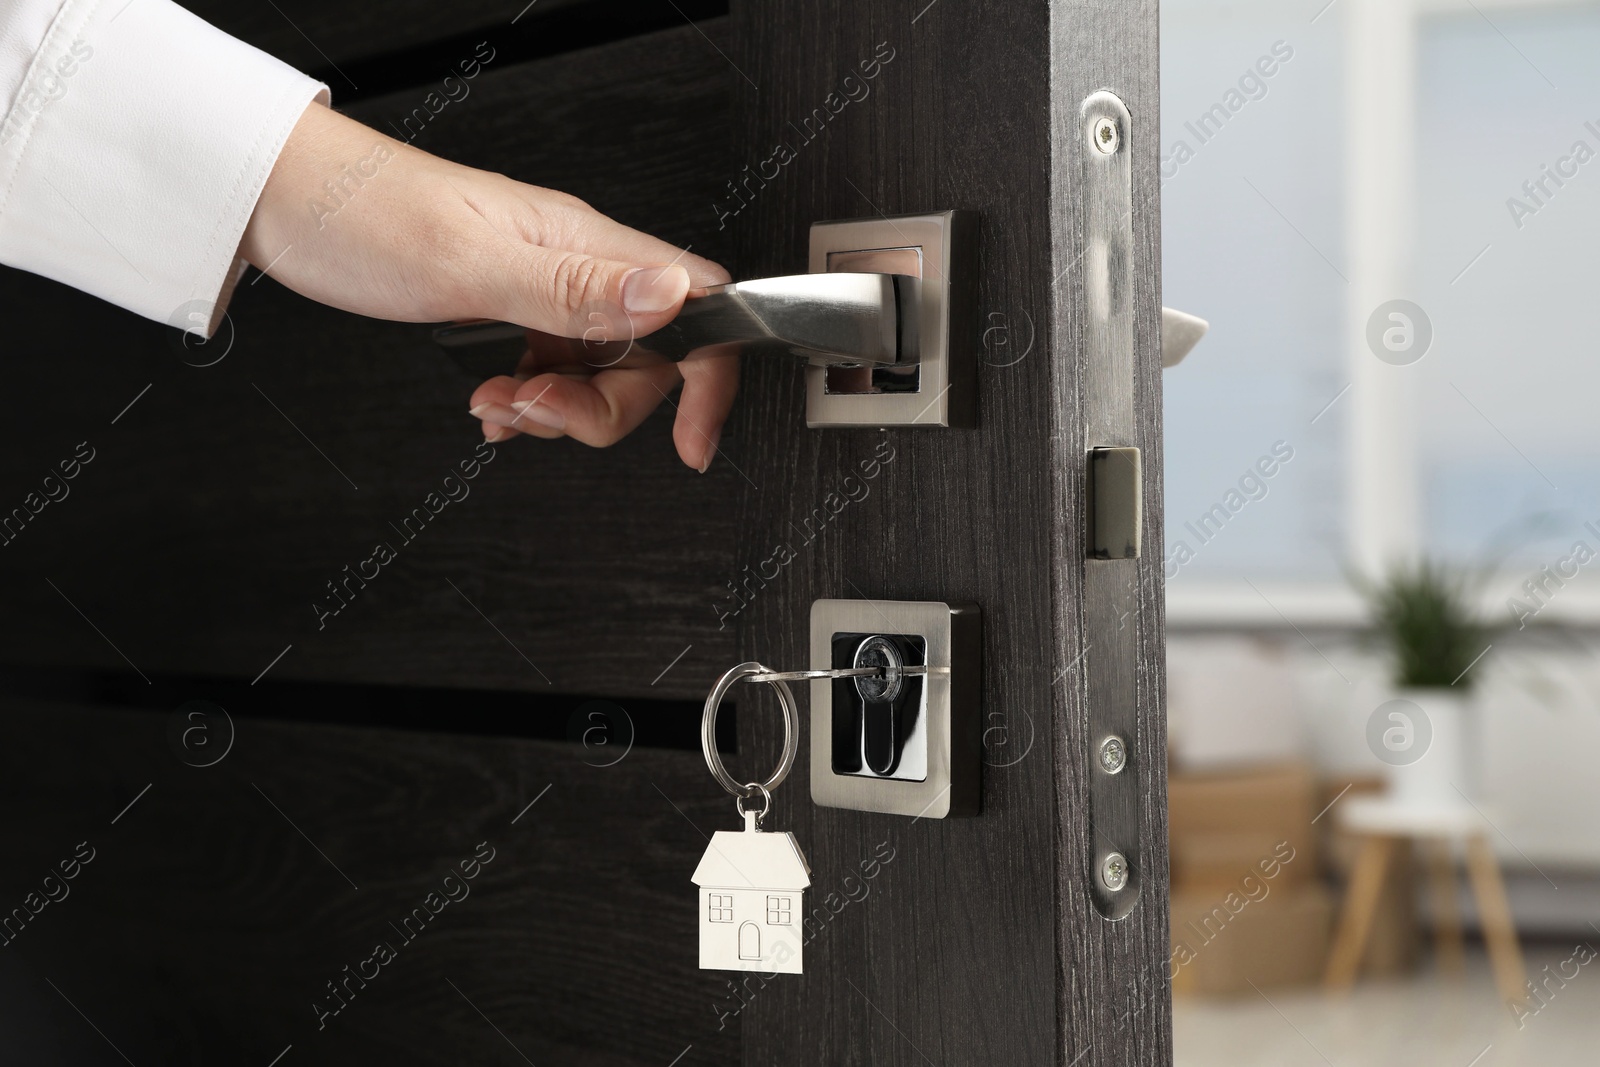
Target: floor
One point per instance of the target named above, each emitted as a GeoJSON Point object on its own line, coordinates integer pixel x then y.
{"type": "Point", "coordinates": [1417, 1022]}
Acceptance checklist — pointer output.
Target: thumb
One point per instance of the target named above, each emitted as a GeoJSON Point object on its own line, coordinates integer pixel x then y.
{"type": "Point", "coordinates": [576, 295]}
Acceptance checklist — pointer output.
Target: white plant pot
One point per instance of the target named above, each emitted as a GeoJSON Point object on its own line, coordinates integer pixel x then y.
{"type": "Point", "coordinates": [1437, 770]}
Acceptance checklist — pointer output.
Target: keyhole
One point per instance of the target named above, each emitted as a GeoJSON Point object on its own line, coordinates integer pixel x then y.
{"type": "Point", "coordinates": [879, 652]}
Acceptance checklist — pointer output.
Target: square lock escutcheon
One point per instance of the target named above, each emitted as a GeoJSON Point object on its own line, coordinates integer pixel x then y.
{"type": "Point", "coordinates": [908, 742]}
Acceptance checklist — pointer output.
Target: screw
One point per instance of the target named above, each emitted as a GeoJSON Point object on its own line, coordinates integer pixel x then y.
{"type": "Point", "coordinates": [1113, 755]}
{"type": "Point", "coordinates": [1114, 871]}
{"type": "Point", "coordinates": [1105, 136]}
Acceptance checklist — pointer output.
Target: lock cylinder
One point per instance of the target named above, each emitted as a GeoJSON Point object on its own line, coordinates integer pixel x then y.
{"type": "Point", "coordinates": [875, 716]}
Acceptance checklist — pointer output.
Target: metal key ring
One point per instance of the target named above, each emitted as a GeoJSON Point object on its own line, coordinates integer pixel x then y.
{"type": "Point", "coordinates": [766, 801]}
{"type": "Point", "coordinates": [708, 731]}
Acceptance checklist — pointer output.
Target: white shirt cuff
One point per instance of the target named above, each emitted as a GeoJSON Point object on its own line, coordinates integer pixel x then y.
{"type": "Point", "coordinates": [134, 152]}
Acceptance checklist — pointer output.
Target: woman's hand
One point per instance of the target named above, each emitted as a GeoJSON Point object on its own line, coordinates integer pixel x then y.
{"type": "Point", "coordinates": [359, 221]}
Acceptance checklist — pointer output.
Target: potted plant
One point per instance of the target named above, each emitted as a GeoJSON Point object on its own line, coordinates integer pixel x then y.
{"type": "Point", "coordinates": [1425, 616]}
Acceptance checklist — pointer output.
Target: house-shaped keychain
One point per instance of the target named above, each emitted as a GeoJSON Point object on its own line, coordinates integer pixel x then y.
{"type": "Point", "coordinates": [752, 887]}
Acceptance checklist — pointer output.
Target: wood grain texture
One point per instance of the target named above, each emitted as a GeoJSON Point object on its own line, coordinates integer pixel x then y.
{"type": "Point", "coordinates": [979, 944]}
{"type": "Point", "coordinates": [219, 905]}
{"type": "Point", "coordinates": [340, 39]}
{"type": "Point", "coordinates": [952, 960]}
{"type": "Point", "coordinates": [219, 505]}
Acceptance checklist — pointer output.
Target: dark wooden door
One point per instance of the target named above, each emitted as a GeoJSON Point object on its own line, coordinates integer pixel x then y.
{"type": "Point", "coordinates": [517, 696]}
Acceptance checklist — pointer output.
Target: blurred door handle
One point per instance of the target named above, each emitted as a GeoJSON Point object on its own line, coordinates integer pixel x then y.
{"type": "Point", "coordinates": [1180, 332]}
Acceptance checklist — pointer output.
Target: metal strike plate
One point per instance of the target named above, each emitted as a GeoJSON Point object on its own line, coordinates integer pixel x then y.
{"type": "Point", "coordinates": [938, 387]}
{"type": "Point", "coordinates": [1114, 862]}
{"type": "Point", "coordinates": [931, 766]}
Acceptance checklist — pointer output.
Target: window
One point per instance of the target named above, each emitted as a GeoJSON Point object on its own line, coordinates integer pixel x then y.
{"type": "Point", "coordinates": [778, 911]}
{"type": "Point", "coordinates": [1292, 226]}
{"type": "Point", "coordinates": [1252, 190]}
{"type": "Point", "coordinates": [719, 907]}
{"type": "Point", "coordinates": [1507, 444]}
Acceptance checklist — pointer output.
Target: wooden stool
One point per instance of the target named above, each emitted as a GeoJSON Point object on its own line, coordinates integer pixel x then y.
{"type": "Point", "coordinates": [1383, 824]}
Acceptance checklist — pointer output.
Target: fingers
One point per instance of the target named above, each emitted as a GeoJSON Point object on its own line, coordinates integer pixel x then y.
{"type": "Point", "coordinates": [608, 407]}
{"type": "Point", "coordinates": [575, 294]}
{"type": "Point", "coordinates": [709, 385]}
{"type": "Point", "coordinates": [504, 416]}
{"type": "Point", "coordinates": [583, 275]}
{"type": "Point", "coordinates": [570, 223]}
{"type": "Point", "coordinates": [599, 411]}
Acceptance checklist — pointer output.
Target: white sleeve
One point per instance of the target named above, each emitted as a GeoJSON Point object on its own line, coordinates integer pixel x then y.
{"type": "Point", "coordinates": [135, 142]}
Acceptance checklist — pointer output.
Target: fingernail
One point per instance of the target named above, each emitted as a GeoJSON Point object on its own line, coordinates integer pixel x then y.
{"type": "Point", "coordinates": [522, 411]}
{"type": "Point", "coordinates": [711, 451]}
{"type": "Point", "coordinates": [543, 414]}
{"type": "Point", "coordinates": [652, 290]}
{"type": "Point", "coordinates": [495, 434]}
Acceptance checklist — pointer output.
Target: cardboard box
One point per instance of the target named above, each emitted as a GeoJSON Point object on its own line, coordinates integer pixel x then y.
{"type": "Point", "coordinates": [1224, 825]}
{"type": "Point", "coordinates": [1217, 861]}
{"type": "Point", "coordinates": [1221, 943]}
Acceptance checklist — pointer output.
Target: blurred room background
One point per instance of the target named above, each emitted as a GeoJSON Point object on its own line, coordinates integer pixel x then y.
{"type": "Point", "coordinates": [1388, 211]}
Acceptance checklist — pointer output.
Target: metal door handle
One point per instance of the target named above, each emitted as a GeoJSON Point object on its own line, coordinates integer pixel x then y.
{"type": "Point", "coordinates": [829, 320]}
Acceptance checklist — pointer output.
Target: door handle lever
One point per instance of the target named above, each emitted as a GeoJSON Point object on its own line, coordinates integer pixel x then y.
{"type": "Point", "coordinates": [846, 319]}
{"type": "Point", "coordinates": [885, 320]}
